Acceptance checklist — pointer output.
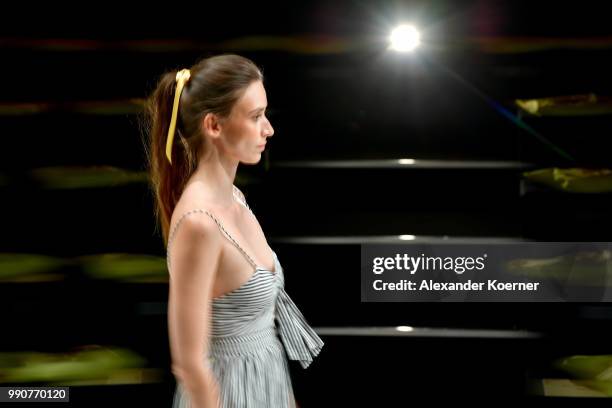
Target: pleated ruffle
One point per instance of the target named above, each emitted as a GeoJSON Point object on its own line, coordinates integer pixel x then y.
{"type": "Point", "coordinates": [300, 340]}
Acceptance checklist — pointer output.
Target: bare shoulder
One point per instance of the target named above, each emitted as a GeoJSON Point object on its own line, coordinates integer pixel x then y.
{"type": "Point", "coordinates": [192, 225]}
{"type": "Point", "coordinates": [188, 211]}
{"type": "Point", "coordinates": [194, 245]}
{"type": "Point", "coordinates": [195, 223]}
{"type": "Point", "coordinates": [192, 230]}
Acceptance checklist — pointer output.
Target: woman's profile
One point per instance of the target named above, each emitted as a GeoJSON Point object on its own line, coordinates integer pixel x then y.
{"type": "Point", "coordinates": [231, 324]}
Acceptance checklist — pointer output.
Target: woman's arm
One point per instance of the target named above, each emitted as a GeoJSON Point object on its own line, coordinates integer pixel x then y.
{"type": "Point", "coordinates": [196, 250]}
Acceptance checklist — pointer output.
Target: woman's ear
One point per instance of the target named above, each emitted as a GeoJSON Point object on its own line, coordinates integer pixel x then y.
{"type": "Point", "coordinates": [211, 125]}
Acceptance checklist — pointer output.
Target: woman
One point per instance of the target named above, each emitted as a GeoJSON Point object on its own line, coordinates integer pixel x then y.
{"type": "Point", "coordinates": [231, 324]}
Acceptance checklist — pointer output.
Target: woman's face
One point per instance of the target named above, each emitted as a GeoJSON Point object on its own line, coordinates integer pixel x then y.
{"type": "Point", "coordinates": [247, 128]}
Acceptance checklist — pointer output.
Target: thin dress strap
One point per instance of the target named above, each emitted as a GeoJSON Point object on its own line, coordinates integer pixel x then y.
{"type": "Point", "coordinates": [240, 198]}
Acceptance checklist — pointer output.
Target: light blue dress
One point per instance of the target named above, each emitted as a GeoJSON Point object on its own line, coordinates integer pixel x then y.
{"type": "Point", "coordinates": [254, 328]}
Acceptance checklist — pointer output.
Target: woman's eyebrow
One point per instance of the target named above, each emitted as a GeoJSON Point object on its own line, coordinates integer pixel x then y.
{"type": "Point", "coordinates": [257, 109]}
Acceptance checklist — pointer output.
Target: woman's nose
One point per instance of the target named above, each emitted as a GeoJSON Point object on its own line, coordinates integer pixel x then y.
{"type": "Point", "coordinates": [269, 130]}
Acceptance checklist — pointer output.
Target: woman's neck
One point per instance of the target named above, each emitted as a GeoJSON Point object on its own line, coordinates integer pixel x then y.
{"type": "Point", "coordinates": [214, 178]}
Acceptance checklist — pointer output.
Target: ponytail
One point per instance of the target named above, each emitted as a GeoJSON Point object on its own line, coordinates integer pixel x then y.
{"type": "Point", "coordinates": [167, 179]}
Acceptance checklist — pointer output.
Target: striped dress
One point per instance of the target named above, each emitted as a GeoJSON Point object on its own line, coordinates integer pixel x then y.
{"type": "Point", "coordinates": [254, 328]}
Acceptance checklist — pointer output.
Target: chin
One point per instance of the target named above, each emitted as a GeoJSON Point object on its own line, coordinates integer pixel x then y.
{"type": "Point", "coordinates": [254, 160]}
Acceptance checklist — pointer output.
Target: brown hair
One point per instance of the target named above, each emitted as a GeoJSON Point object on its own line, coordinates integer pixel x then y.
{"type": "Point", "coordinates": [215, 85]}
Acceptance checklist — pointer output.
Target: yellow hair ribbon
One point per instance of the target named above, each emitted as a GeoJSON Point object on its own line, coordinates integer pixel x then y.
{"type": "Point", "coordinates": [181, 78]}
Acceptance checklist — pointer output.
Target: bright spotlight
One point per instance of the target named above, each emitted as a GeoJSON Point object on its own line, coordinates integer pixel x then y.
{"type": "Point", "coordinates": [404, 38]}
{"type": "Point", "coordinates": [406, 161]}
{"type": "Point", "coordinates": [407, 237]}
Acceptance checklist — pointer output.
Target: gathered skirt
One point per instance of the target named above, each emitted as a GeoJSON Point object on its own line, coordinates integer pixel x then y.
{"type": "Point", "coordinates": [251, 370]}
